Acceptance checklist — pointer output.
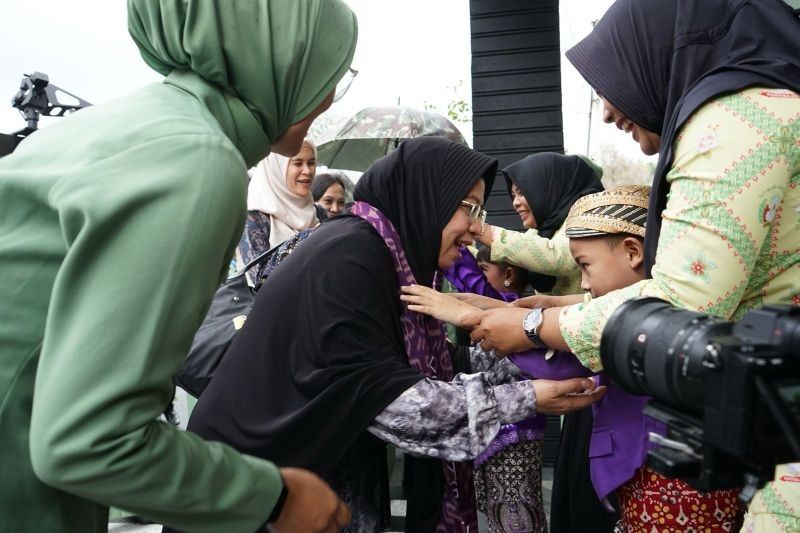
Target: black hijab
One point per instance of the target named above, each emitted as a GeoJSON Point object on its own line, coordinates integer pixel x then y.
{"type": "Point", "coordinates": [658, 61]}
{"type": "Point", "coordinates": [418, 187]}
{"type": "Point", "coordinates": [551, 183]}
{"type": "Point", "coordinates": [322, 352]}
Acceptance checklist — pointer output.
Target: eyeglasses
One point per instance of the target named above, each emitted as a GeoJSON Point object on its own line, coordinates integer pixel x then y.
{"type": "Point", "coordinates": [476, 212]}
{"type": "Point", "coordinates": [344, 84]}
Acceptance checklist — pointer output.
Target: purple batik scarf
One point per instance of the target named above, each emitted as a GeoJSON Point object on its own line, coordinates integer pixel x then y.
{"type": "Point", "coordinates": [427, 351]}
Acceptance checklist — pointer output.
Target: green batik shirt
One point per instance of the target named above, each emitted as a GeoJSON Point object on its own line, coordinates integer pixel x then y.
{"type": "Point", "coordinates": [116, 226]}
{"type": "Point", "coordinates": [533, 252]}
{"type": "Point", "coordinates": [730, 236]}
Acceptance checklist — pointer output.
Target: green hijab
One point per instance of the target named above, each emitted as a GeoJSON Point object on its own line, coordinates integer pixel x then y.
{"type": "Point", "coordinates": [258, 65]}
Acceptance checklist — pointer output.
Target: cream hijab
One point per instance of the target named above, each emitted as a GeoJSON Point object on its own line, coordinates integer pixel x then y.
{"type": "Point", "coordinates": [269, 193]}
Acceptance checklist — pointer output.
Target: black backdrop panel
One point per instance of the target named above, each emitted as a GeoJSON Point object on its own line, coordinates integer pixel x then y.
{"type": "Point", "coordinates": [516, 86]}
{"type": "Point", "coordinates": [516, 100]}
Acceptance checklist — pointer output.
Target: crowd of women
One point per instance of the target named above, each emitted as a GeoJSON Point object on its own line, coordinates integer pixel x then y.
{"type": "Point", "coordinates": [112, 250]}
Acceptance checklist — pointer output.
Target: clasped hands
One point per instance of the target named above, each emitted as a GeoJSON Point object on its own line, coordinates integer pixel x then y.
{"type": "Point", "coordinates": [499, 328]}
{"type": "Point", "coordinates": [493, 323]}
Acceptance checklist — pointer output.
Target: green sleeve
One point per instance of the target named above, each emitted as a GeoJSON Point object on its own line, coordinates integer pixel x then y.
{"type": "Point", "coordinates": [148, 233]}
{"type": "Point", "coordinates": [534, 252]}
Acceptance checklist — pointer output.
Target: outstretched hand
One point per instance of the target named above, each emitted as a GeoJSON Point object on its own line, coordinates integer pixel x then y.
{"type": "Point", "coordinates": [444, 307]}
{"type": "Point", "coordinates": [479, 301]}
{"type": "Point", "coordinates": [547, 300]}
{"type": "Point", "coordinates": [501, 330]}
{"type": "Point", "coordinates": [559, 397]}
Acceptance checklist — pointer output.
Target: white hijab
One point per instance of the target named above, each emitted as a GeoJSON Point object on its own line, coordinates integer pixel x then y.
{"type": "Point", "coordinates": [269, 193]}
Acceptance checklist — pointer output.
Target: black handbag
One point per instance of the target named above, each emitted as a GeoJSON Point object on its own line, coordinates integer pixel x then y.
{"type": "Point", "coordinates": [229, 309]}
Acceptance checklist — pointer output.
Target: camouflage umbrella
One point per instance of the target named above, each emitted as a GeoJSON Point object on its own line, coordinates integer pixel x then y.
{"type": "Point", "coordinates": [375, 131]}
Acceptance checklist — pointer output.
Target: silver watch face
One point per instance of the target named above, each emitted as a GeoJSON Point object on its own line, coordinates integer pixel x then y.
{"type": "Point", "coordinates": [532, 320]}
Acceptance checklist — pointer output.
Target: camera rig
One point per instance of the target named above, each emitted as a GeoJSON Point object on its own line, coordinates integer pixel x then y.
{"type": "Point", "coordinates": [728, 393]}
{"type": "Point", "coordinates": [37, 97]}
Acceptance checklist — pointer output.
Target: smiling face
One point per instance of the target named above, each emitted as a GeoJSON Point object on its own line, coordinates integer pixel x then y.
{"type": "Point", "coordinates": [520, 204]}
{"type": "Point", "coordinates": [649, 142]}
{"type": "Point", "coordinates": [300, 172]}
{"type": "Point", "coordinates": [608, 264]}
{"type": "Point", "coordinates": [458, 231]}
{"type": "Point", "coordinates": [333, 199]}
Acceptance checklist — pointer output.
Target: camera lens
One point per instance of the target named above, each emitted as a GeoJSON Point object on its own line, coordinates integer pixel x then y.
{"type": "Point", "coordinates": [653, 349]}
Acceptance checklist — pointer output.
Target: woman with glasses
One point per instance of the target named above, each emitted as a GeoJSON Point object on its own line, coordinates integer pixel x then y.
{"type": "Point", "coordinates": [331, 365]}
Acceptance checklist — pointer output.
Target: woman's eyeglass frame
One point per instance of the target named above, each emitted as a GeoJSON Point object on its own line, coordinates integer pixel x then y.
{"type": "Point", "coordinates": [344, 84]}
{"type": "Point", "coordinates": [476, 212]}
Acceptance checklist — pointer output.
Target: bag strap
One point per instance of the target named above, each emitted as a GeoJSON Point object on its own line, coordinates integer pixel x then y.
{"type": "Point", "coordinates": [258, 259]}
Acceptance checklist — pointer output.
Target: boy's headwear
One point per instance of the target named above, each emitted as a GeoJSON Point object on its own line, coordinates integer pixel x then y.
{"type": "Point", "coordinates": [619, 210]}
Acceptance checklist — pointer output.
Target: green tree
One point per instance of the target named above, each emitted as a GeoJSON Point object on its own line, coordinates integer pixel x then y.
{"type": "Point", "coordinates": [458, 107]}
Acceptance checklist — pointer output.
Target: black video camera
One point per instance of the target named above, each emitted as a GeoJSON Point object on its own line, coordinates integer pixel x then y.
{"type": "Point", "coordinates": [36, 97]}
{"type": "Point", "coordinates": [728, 393]}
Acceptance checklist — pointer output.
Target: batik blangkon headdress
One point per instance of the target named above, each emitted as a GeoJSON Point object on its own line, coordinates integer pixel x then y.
{"type": "Point", "coordinates": [619, 210]}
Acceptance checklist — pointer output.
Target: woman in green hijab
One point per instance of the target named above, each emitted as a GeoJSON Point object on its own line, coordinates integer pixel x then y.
{"type": "Point", "coordinates": [116, 225]}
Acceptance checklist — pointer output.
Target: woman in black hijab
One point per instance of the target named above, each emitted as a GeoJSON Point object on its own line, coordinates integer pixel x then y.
{"type": "Point", "coordinates": [655, 63]}
{"type": "Point", "coordinates": [330, 364]}
{"type": "Point", "coordinates": [543, 188]}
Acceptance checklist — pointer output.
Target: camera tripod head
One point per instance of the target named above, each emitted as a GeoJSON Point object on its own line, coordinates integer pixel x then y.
{"type": "Point", "coordinates": [37, 97]}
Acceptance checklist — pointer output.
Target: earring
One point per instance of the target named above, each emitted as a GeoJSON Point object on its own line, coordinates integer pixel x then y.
{"type": "Point", "coordinates": [507, 283]}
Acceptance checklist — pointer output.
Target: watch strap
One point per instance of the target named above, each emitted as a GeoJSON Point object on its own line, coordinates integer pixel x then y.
{"type": "Point", "coordinates": [276, 510]}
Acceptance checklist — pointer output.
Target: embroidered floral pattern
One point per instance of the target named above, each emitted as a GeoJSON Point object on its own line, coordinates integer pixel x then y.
{"type": "Point", "coordinates": [784, 140]}
{"type": "Point", "coordinates": [706, 142]}
{"type": "Point", "coordinates": [793, 299]}
{"type": "Point", "coordinates": [699, 266]}
{"type": "Point", "coordinates": [768, 209]}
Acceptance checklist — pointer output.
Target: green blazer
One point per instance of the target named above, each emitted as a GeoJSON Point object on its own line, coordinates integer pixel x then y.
{"type": "Point", "coordinates": [116, 226]}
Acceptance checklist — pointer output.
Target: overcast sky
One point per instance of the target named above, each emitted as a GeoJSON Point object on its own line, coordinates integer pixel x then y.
{"type": "Point", "coordinates": [414, 51]}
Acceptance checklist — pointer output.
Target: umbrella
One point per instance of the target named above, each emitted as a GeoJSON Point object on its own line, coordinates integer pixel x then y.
{"type": "Point", "coordinates": [375, 131]}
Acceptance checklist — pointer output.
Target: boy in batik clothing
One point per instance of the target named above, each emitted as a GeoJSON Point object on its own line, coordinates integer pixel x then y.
{"type": "Point", "coordinates": [606, 232]}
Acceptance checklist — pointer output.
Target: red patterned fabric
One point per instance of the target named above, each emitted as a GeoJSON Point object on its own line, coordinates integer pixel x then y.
{"type": "Point", "coordinates": [651, 503]}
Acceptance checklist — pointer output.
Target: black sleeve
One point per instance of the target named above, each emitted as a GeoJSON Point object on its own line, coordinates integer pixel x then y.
{"type": "Point", "coordinates": [461, 358]}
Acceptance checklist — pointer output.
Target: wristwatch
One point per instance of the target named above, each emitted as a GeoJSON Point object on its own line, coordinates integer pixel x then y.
{"type": "Point", "coordinates": [531, 324]}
